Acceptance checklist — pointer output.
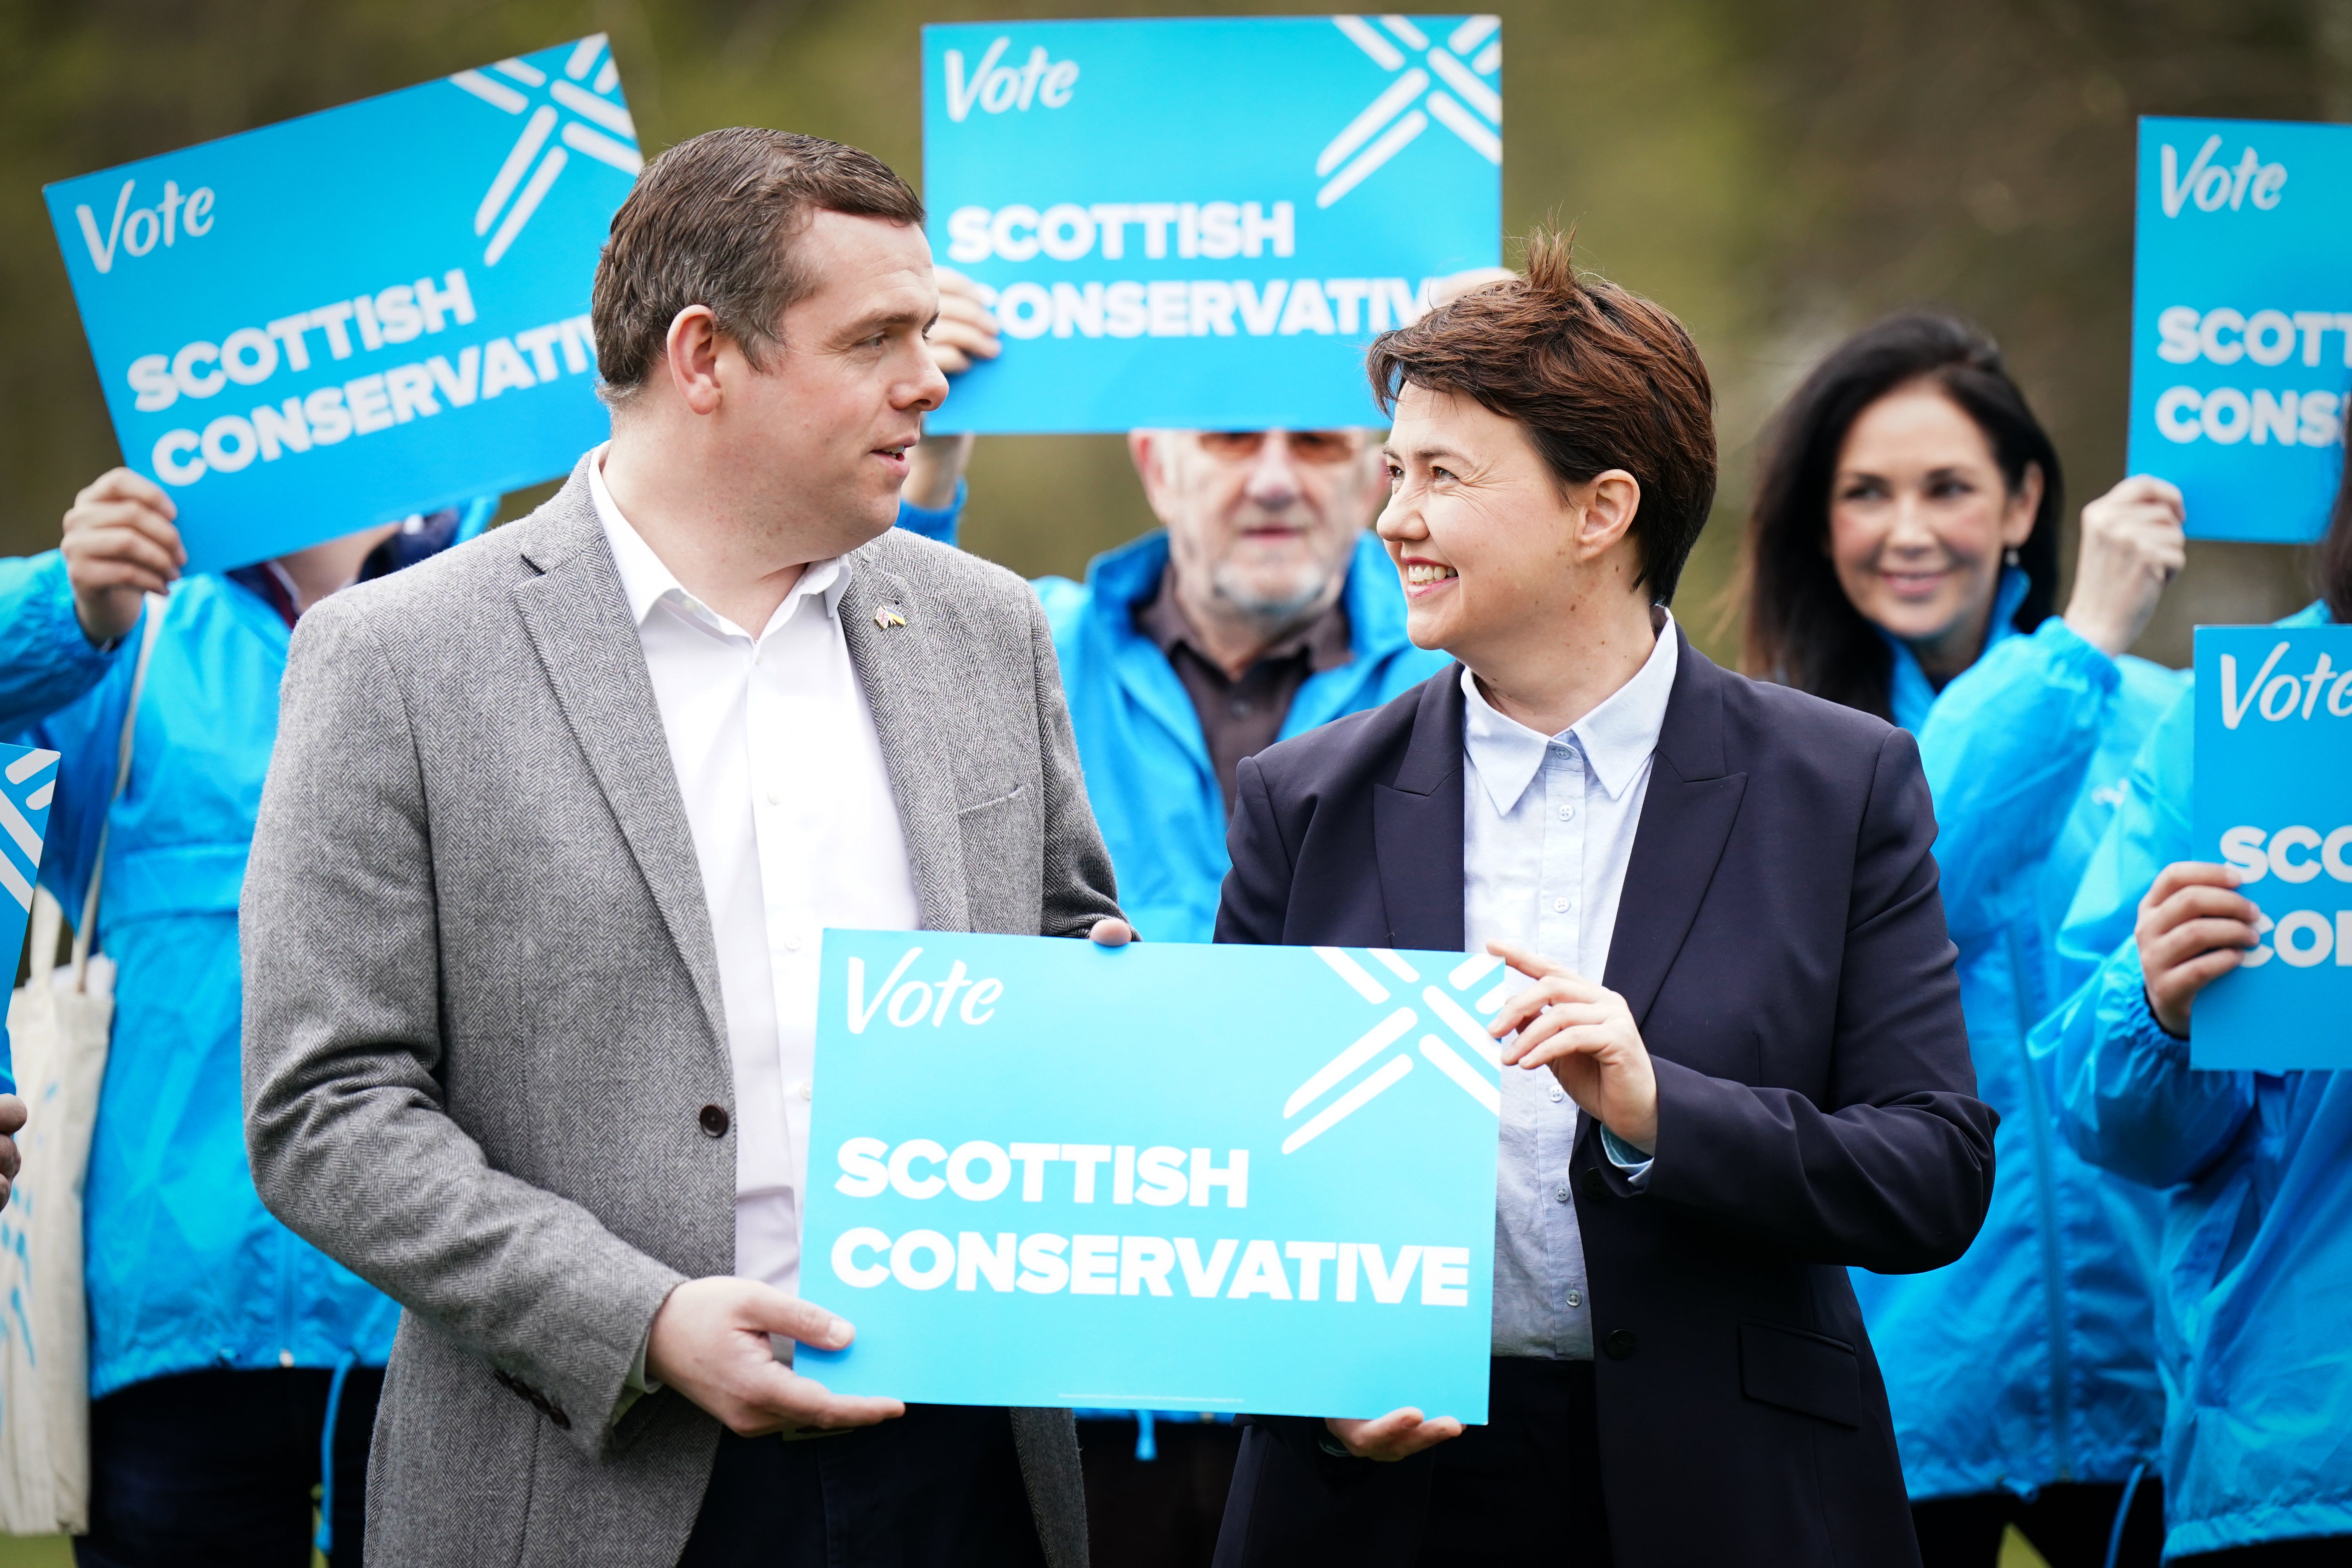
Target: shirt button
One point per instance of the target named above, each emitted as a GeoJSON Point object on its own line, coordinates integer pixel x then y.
{"type": "Point", "coordinates": [1561, 1193]}
{"type": "Point", "coordinates": [1559, 906]}
{"type": "Point", "coordinates": [798, 1088]}
{"type": "Point", "coordinates": [714, 1120]}
{"type": "Point", "coordinates": [1558, 1094]}
{"type": "Point", "coordinates": [791, 942]}
{"type": "Point", "coordinates": [1576, 1298]}
{"type": "Point", "coordinates": [1567, 813]}
{"type": "Point", "coordinates": [775, 795]}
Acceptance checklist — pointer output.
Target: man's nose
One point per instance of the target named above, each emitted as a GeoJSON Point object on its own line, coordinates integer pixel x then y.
{"type": "Point", "coordinates": [1274, 474]}
{"type": "Point", "coordinates": [929, 389]}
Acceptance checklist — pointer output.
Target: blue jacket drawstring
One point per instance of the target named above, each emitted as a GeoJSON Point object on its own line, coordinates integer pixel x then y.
{"type": "Point", "coordinates": [325, 1540]}
{"type": "Point", "coordinates": [2122, 1513]}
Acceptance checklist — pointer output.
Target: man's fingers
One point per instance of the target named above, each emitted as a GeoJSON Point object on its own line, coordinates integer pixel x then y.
{"type": "Point", "coordinates": [11, 1115]}
{"type": "Point", "coordinates": [1112, 933]}
{"type": "Point", "coordinates": [951, 362]}
{"type": "Point", "coordinates": [1548, 1025]}
{"type": "Point", "coordinates": [124, 544]}
{"type": "Point", "coordinates": [771, 1310]}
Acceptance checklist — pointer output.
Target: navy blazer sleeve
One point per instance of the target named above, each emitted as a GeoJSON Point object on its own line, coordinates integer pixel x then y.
{"type": "Point", "coordinates": [1894, 1171]}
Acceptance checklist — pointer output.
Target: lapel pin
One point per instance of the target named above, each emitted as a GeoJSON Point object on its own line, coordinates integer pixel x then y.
{"type": "Point", "coordinates": [889, 615]}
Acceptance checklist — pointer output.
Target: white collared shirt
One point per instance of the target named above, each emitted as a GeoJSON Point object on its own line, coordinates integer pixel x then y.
{"type": "Point", "coordinates": [1547, 829]}
{"type": "Point", "coordinates": [795, 828]}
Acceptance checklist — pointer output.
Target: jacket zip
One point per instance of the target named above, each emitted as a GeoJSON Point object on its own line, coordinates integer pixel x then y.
{"type": "Point", "coordinates": [2062, 1409]}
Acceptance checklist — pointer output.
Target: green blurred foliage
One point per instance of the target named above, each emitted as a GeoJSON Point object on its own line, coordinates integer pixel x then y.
{"type": "Point", "coordinates": [1776, 172]}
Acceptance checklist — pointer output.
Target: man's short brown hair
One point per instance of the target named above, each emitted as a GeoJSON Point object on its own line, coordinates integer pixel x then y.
{"type": "Point", "coordinates": [1600, 377]}
{"type": "Point", "coordinates": [711, 222]}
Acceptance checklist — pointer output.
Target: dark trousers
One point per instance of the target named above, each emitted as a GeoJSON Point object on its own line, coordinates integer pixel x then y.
{"type": "Point", "coordinates": [938, 1488]}
{"type": "Point", "coordinates": [2311, 1551]}
{"type": "Point", "coordinates": [1160, 1512]}
{"type": "Point", "coordinates": [216, 1467]}
{"type": "Point", "coordinates": [2069, 1525]}
{"type": "Point", "coordinates": [1520, 1491]}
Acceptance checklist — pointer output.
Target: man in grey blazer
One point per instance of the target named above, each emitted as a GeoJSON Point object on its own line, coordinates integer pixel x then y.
{"type": "Point", "coordinates": [530, 923]}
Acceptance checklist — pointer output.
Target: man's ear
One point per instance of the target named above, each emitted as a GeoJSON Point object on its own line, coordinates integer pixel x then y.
{"type": "Point", "coordinates": [691, 354]}
{"type": "Point", "coordinates": [1149, 450]}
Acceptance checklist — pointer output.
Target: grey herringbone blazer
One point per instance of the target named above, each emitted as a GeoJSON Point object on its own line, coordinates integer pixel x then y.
{"type": "Point", "coordinates": [482, 1008]}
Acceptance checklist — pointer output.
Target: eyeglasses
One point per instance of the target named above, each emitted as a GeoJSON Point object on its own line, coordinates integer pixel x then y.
{"type": "Point", "coordinates": [1319, 446]}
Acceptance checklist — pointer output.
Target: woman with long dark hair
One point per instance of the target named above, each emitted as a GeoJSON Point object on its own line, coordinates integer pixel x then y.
{"type": "Point", "coordinates": [1903, 559]}
{"type": "Point", "coordinates": [2254, 1169]}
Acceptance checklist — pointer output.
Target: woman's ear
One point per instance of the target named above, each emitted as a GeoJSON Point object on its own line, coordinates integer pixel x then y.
{"type": "Point", "coordinates": [1610, 501]}
{"type": "Point", "coordinates": [2024, 506]}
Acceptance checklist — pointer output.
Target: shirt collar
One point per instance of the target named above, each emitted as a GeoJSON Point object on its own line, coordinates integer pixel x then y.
{"type": "Point", "coordinates": [646, 583]}
{"type": "Point", "coordinates": [1616, 738]}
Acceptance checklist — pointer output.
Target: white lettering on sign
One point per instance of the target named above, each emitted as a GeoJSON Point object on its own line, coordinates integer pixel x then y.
{"type": "Point", "coordinates": [2281, 696]}
{"type": "Point", "coordinates": [996, 88]}
{"type": "Point", "coordinates": [2212, 185]}
{"type": "Point", "coordinates": [921, 1000]}
{"type": "Point", "coordinates": [140, 230]}
{"type": "Point", "coordinates": [1046, 1264]}
{"type": "Point", "coordinates": [1066, 231]}
{"type": "Point", "coordinates": [1163, 1175]}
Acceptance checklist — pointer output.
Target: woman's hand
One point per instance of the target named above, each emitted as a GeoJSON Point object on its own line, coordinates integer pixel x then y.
{"type": "Point", "coordinates": [2192, 929]}
{"type": "Point", "coordinates": [120, 544]}
{"type": "Point", "coordinates": [1585, 1034]}
{"type": "Point", "coordinates": [1398, 1434]}
{"type": "Point", "coordinates": [2132, 546]}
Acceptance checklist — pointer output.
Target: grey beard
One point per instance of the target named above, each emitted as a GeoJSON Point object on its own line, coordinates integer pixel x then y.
{"type": "Point", "coordinates": [1271, 613]}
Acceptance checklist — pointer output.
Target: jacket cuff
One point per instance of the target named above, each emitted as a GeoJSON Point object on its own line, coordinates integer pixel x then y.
{"type": "Point", "coordinates": [2069, 650]}
{"type": "Point", "coordinates": [53, 623]}
{"type": "Point", "coordinates": [1626, 1158]}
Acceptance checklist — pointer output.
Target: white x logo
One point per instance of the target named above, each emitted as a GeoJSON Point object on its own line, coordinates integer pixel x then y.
{"type": "Point", "coordinates": [619, 149]}
{"type": "Point", "coordinates": [1438, 1053]}
{"type": "Point", "coordinates": [1407, 91]}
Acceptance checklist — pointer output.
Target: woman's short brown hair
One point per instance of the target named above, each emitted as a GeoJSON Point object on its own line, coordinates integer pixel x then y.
{"type": "Point", "coordinates": [711, 222]}
{"type": "Point", "coordinates": [1600, 377]}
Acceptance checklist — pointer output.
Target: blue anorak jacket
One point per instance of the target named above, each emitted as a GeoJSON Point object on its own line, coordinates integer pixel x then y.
{"type": "Point", "coordinates": [2254, 1173]}
{"type": "Point", "coordinates": [1148, 777]}
{"type": "Point", "coordinates": [2031, 1359]}
{"type": "Point", "coordinates": [186, 1270]}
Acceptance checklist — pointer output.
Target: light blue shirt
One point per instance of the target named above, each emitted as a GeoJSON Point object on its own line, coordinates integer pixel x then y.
{"type": "Point", "coordinates": [1548, 823]}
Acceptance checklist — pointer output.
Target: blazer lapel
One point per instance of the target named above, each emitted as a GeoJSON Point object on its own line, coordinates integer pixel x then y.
{"type": "Point", "coordinates": [1417, 826]}
{"type": "Point", "coordinates": [578, 619]}
{"type": "Point", "coordinates": [1686, 819]}
{"type": "Point", "coordinates": [894, 648]}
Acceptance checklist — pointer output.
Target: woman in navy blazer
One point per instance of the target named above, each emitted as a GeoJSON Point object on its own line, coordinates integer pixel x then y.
{"type": "Point", "coordinates": [1775, 1049]}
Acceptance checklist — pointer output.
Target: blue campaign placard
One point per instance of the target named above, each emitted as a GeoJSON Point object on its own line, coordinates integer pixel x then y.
{"type": "Point", "coordinates": [28, 782]}
{"type": "Point", "coordinates": [1166, 1176]}
{"type": "Point", "coordinates": [2242, 321]}
{"type": "Point", "coordinates": [375, 310]}
{"type": "Point", "coordinates": [1201, 223]}
{"type": "Point", "coordinates": [2273, 758]}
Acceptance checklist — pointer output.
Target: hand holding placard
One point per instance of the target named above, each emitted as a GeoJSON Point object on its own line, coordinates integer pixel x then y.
{"type": "Point", "coordinates": [711, 1342]}
{"type": "Point", "coordinates": [2274, 832]}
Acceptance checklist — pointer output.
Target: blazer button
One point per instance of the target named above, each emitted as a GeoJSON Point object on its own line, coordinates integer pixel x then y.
{"type": "Point", "coordinates": [555, 1414]}
{"type": "Point", "coordinates": [714, 1120]}
{"type": "Point", "coordinates": [1619, 1344]}
{"type": "Point", "coordinates": [1596, 1185]}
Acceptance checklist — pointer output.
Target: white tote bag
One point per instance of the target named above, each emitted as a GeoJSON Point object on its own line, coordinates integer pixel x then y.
{"type": "Point", "coordinates": [58, 1023]}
